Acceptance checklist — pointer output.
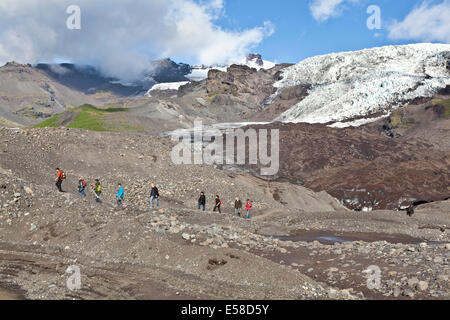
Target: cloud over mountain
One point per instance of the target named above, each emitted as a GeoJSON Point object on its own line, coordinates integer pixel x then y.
{"type": "Point", "coordinates": [121, 36]}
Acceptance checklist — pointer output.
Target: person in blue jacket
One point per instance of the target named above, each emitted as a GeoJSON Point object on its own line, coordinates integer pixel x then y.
{"type": "Point", "coordinates": [120, 195]}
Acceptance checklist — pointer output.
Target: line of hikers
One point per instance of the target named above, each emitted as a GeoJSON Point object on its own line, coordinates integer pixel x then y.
{"type": "Point", "coordinates": [154, 195]}
{"type": "Point", "coordinates": [218, 203]}
{"type": "Point", "coordinates": [61, 176]}
{"type": "Point", "coordinates": [120, 195]}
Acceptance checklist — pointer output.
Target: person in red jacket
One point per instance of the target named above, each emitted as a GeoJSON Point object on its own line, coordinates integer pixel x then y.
{"type": "Point", "coordinates": [218, 204]}
{"type": "Point", "coordinates": [248, 207]}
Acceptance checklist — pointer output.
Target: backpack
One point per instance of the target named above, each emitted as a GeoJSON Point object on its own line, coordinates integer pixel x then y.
{"type": "Point", "coordinates": [98, 187]}
{"type": "Point", "coordinates": [63, 175]}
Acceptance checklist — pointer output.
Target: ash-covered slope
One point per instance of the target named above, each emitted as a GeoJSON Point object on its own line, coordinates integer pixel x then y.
{"type": "Point", "coordinates": [363, 167]}
{"type": "Point", "coordinates": [28, 95]}
{"type": "Point", "coordinates": [354, 88]}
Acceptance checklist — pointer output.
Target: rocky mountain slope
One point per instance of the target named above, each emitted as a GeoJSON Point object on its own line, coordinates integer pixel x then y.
{"type": "Point", "coordinates": [253, 60]}
{"type": "Point", "coordinates": [28, 96]}
{"type": "Point", "coordinates": [32, 94]}
{"type": "Point", "coordinates": [397, 161]}
{"type": "Point", "coordinates": [234, 95]}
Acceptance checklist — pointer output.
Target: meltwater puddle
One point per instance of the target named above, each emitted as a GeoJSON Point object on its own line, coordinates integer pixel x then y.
{"type": "Point", "coordinates": [330, 237]}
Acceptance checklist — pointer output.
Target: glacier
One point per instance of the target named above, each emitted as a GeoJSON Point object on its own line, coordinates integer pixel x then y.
{"type": "Point", "coordinates": [166, 86]}
{"type": "Point", "coordinates": [358, 87]}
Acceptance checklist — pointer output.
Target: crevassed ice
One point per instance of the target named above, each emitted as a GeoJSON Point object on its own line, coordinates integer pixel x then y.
{"type": "Point", "coordinates": [354, 84]}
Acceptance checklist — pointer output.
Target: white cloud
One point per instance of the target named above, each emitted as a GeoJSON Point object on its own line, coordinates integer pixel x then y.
{"type": "Point", "coordinates": [323, 10]}
{"type": "Point", "coordinates": [4, 56]}
{"type": "Point", "coordinates": [121, 36]}
{"type": "Point", "coordinates": [427, 22]}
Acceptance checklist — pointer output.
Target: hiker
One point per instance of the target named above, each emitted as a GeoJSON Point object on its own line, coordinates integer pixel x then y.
{"type": "Point", "coordinates": [154, 195]}
{"type": "Point", "coordinates": [120, 195]}
{"type": "Point", "coordinates": [97, 190]}
{"type": "Point", "coordinates": [237, 207]}
{"type": "Point", "coordinates": [81, 187]}
{"type": "Point", "coordinates": [410, 211]}
{"type": "Point", "coordinates": [218, 203]}
{"type": "Point", "coordinates": [248, 207]}
{"type": "Point", "coordinates": [60, 177]}
{"type": "Point", "coordinates": [202, 201]}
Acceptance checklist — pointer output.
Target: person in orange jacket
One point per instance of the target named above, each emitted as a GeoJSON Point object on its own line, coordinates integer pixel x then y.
{"type": "Point", "coordinates": [60, 177]}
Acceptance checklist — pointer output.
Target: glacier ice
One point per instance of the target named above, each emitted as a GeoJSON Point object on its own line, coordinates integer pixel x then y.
{"type": "Point", "coordinates": [354, 88]}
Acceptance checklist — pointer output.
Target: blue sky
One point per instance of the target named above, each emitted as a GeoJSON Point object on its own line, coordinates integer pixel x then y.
{"type": "Point", "coordinates": [298, 35]}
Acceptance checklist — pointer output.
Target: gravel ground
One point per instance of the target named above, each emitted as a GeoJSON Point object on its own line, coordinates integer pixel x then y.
{"type": "Point", "coordinates": [298, 245]}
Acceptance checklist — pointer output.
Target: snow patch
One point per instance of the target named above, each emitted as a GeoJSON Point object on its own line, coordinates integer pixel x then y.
{"type": "Point", "coordinates": [200, 73]}
{"type": "Point", "coordinates": [166, 86]}
{"type": "Point", "coordinates": [253, 64]}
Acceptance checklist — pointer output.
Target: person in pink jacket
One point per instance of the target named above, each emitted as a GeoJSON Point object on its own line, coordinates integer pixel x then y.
{"type": "Point", "coordinates": [248, 207]}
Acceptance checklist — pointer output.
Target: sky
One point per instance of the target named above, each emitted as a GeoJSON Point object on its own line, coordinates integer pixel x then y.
{"type": "Point", "coordinates": [307, 28]}
{"type": "Point", "coordinates": [121, 37]}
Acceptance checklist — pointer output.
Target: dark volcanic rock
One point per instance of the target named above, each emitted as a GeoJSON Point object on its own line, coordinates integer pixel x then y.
{"type": "Point", "coordinates": [362, 167]}
{"type": "Point", "coordinates": [86, 79]}
{"type": "Point", "coordinates": [256, 58]}
{"type": "Point", "coordinates": [167, 70]}
{"type": "Point", "coordinates": [295, 92]}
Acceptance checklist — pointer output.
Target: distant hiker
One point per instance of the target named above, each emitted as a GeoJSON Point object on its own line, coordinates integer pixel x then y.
{"type": "Point", "coordinates": [60, 177]}
{"type": "Point", "coordinates": [218, 204]}
{"type": "Point", "coordinates": [81, 187]}
{"type": "Point", "coordinates": [120, 195]}
{"type": "Point", "coordinates": [248, 207]}
{"type": "Point", "coordinates": [410, 211]}
{"type": "Point", "coordinates": [202, 201]}
{"type": "Point", "coordinates": [237, 207]}
{"type": "Point", "coordinates": [97, 190]}
{"type": "Point", "coordinates": [154, 195]}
